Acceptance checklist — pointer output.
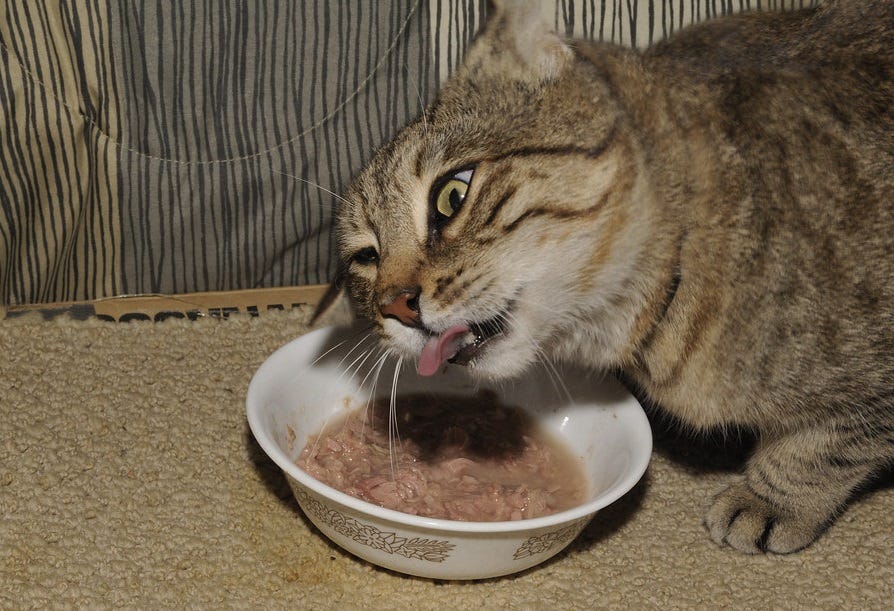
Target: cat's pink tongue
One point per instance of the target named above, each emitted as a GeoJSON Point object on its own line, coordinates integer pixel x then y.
{"type": "Point", "coordinates": [439, 349]}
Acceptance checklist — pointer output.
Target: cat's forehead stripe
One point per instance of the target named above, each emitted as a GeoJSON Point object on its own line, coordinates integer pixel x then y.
{"type": "Point", "coordinates": [460, 157]}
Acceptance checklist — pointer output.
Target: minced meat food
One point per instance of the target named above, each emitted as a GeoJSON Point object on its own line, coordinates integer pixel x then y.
{"type": "Point", "coordinates": [450, 457]}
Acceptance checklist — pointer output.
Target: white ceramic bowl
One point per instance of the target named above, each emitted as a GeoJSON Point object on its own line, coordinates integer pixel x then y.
{"type": "Point", "coordinates": [303, 384]}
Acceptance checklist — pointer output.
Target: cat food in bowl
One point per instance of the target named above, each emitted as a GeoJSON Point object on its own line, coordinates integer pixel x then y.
{"type": "Point", "coordinates": [453, 457]}
{"type": "Point", "coordinates": [323, 377]}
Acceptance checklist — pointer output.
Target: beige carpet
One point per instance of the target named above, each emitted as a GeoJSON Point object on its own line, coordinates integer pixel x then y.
{"type": "Point", "coordinates": [129, 479]}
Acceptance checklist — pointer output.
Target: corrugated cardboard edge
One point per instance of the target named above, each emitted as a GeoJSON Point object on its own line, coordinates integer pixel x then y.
{"type": "Point", "coordinates": [216, 304]}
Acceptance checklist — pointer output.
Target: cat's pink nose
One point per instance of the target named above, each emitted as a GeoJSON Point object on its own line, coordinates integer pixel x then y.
{"type": "Point", "coordinates": [404, 307]}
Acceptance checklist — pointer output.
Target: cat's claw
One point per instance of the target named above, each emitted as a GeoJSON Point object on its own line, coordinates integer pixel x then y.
{"type": "Point", "coordinates": [742, 520]}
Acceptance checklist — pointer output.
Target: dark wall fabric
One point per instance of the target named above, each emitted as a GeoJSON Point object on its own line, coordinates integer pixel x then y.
{"type": "Point", "coordinates": [166, 147]}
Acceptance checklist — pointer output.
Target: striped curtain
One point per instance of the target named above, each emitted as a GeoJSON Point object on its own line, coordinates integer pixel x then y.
{"type": "Point", "coordinates": [167, 147]}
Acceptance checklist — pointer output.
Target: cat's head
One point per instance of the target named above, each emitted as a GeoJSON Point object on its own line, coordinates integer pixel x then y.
{"type": "Point", "coordinates": [483, 230]}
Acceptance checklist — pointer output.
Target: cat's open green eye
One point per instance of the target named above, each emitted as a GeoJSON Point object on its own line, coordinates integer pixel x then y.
{"type": "Point", "coordinates": [451, 197]}
{"type": "Point", "coordinates": [451, 192]}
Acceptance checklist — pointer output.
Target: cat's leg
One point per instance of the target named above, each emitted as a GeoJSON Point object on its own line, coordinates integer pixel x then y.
{"type": "Point", "coordinates": [794, 486]}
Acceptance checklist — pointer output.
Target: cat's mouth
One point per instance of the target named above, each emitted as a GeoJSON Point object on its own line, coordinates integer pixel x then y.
{"type": "Point", "coordinates": [459, 344]}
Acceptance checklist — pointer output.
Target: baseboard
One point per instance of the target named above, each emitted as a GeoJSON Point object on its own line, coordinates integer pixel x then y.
{"type": "Point", "coordinates": [217, 304]}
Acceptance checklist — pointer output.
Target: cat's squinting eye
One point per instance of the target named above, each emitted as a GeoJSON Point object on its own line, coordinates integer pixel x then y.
{"type": "Point", "coordinates": [449, 193]}
{"type": "Point", "coordinates": [366, 256]}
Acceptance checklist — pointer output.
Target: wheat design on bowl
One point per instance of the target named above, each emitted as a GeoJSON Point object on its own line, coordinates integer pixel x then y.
{"type": "Point", "coordinates": [430, 550]}
{"type": "Point", "coordinates": [313, 379]}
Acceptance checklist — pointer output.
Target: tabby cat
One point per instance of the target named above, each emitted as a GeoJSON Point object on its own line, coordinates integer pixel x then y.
{"type": "Point", "coordinates": [713, 216]}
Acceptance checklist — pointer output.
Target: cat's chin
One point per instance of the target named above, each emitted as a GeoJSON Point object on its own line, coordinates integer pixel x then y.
{"type": "Point", "coordinates": [499, 362]}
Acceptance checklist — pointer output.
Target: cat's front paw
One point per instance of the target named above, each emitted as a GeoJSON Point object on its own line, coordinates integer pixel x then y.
{"type": "Point", "coordinates": [743, 520]}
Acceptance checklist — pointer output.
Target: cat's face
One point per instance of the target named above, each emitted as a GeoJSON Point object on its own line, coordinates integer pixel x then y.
{"type": "Point", "coordinates": [478, 234]}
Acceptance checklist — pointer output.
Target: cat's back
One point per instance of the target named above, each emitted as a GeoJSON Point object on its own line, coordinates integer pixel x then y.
{"type": "Point", "coordinates": [796, 112]}
{"type": "Point", "coordinates": [803, 98]}
{"type": "Point", "coordinates": [836, 60]}
{"type": "Point", "coordinates": [838, 34]}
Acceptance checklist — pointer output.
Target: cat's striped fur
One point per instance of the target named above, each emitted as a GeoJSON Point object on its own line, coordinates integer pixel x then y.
{"type": "Point", "coordinates": [714, 216]}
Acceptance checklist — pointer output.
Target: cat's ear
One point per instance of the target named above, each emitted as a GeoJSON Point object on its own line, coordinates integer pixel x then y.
{"type": "Point", "coordinates": [518, 42]}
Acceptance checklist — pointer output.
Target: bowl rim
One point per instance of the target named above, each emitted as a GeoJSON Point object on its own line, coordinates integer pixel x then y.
{"type": "Point", "coordinates": [639, 462]}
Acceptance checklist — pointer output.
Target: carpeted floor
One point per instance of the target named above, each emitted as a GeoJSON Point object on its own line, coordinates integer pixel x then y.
{"type": "Point", "coordinates": [129, 479]}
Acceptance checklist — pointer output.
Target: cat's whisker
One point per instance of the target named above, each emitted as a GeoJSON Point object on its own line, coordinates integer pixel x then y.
{"type": "Point", "coordinates": [376, 369]}
{"type": "Point", "coordinates": [393, 431]}
{"type": "Point", "coordinates": [548, 365]}
{"type": "Point", "coordinates": [422, 105]}
{"type": "Point", "coordinates": [353, 369]}
{"type": "Point", "coordinates": [362, 334]}
{"type": "Point", "coordinates": [555, 376]}
{"type": "Point", "coordinates": [349, 353]}
{"type": "Point", "coordinates": [312, 184]}
{"type": "Point", "coordinates": [343, 371]}
{"type": "Point", "coordinates": [349, 372]}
